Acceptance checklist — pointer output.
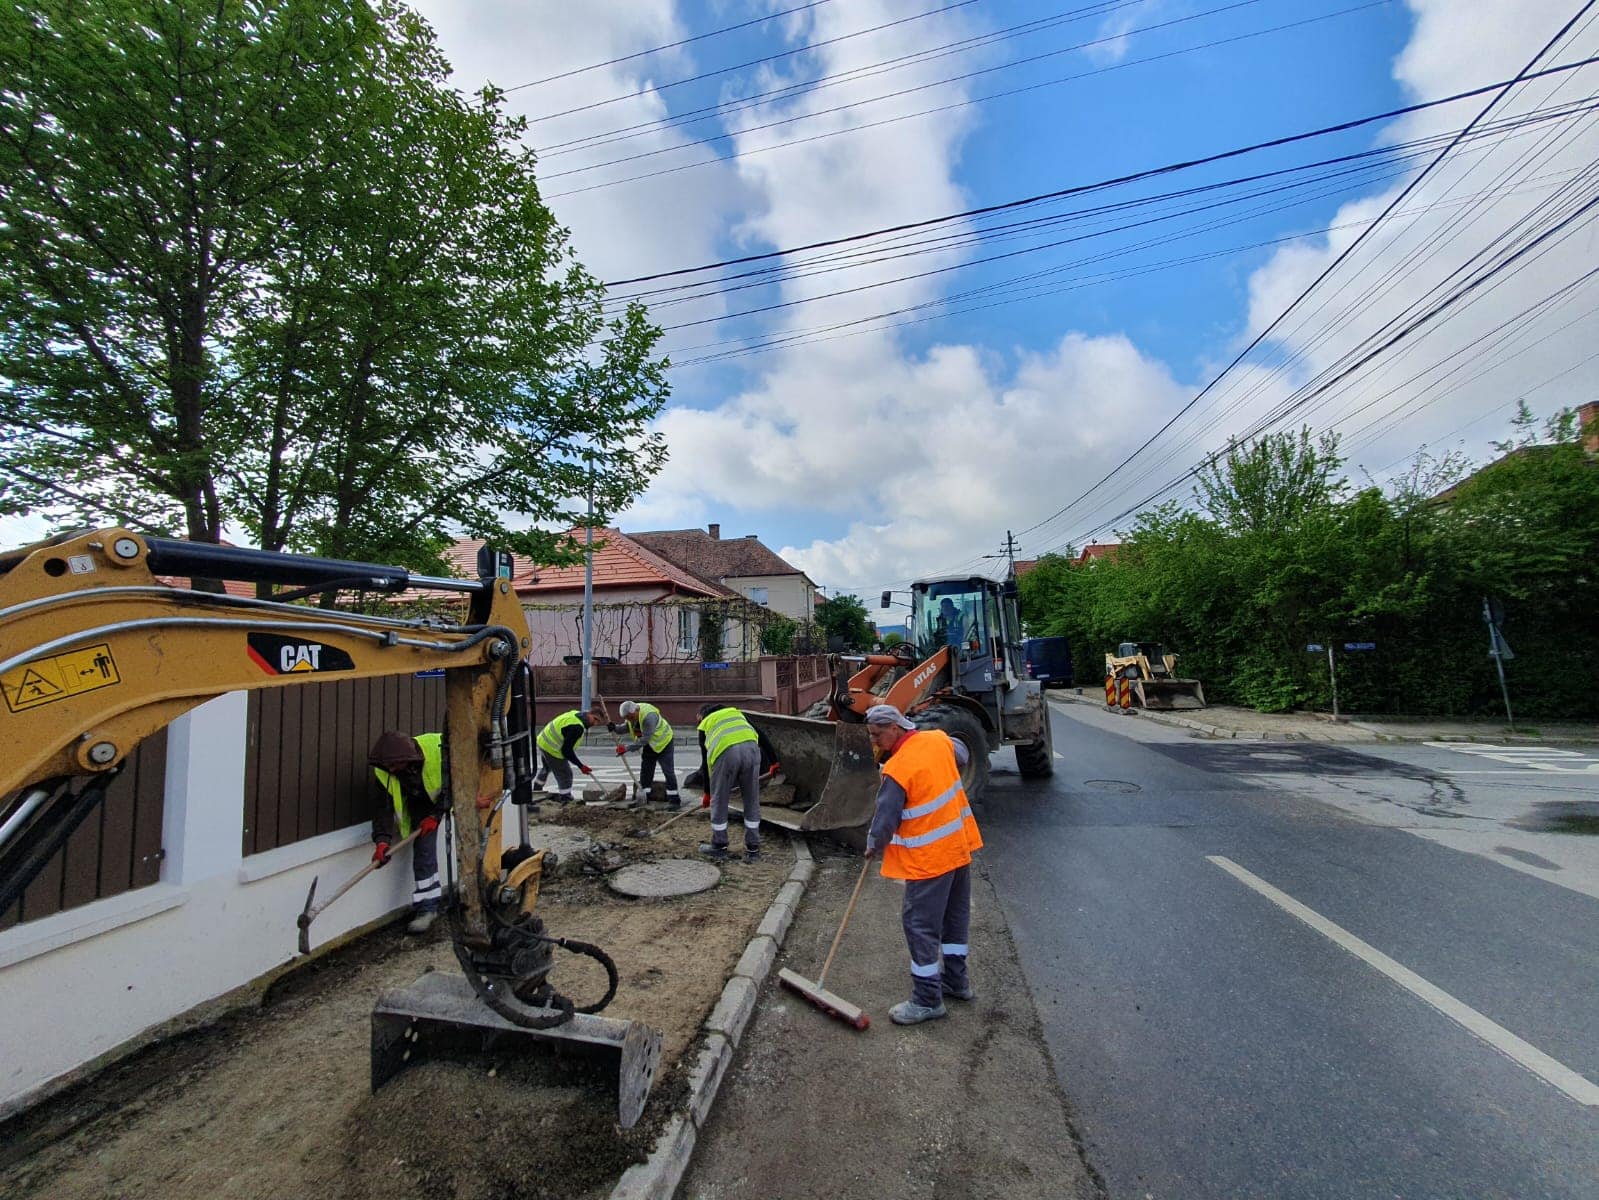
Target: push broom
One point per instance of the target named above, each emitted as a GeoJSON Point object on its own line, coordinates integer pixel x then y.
{"type": "Point", "coordinates": [832, 1005]}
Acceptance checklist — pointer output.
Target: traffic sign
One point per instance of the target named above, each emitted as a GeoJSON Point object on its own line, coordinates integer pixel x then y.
{"type": "Point", "coordinates": [1314, 648]}
{"type": "Point", "coordinates": [1360, 645]}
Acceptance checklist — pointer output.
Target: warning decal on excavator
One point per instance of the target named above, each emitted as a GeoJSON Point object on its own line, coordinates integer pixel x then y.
{"type": "Point", "coordinates": [58, 677]}
{"type": "Point", "coordinates": [285, 656]}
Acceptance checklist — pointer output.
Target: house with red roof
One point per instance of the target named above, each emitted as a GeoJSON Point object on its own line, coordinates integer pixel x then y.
{"type": "Point", "coordinates": [743, 564]}
{"type": "Point", "coordinates": [646, 607]}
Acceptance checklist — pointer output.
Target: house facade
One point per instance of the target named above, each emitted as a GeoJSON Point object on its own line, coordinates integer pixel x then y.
{"type": "Point", "coordinates": [743, 565]}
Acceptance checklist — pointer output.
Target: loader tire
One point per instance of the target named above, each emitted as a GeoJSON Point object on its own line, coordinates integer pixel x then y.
{"type": "Point", "coordinates": [968, 730]}
{"type": "Point", "coordinates": [1036, 760]}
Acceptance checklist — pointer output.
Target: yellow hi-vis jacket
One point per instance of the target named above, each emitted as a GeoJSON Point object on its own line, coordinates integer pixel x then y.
{"type": "Point", "coordinates": [662, 737]}
{"type": "Point", "coordinates": [937, 832]}
{"type": "Point", "coordinates": [723, 728]}
{"type": "Point", "coordinates": [551, 737]}
{"type": "Point", "coordinates": [432, 746]}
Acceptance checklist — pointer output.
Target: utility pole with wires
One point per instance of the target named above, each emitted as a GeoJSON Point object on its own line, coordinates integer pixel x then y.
{"type": "Point", "coordinates": [1008, 553]}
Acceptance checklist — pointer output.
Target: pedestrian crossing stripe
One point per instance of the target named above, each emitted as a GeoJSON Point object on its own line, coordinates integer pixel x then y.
{"type": "Point", "coordinates": [59, 677]}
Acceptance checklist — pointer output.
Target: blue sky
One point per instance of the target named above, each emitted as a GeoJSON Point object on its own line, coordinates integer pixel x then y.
{"type": "Point", "coordinates": [872, 449]}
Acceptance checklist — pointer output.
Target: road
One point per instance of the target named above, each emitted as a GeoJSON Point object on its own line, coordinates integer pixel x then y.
{"type": "Point", "coordinates": [1298, 970]}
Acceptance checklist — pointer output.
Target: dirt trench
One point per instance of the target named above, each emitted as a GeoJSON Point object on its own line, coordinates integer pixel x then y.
{"type": "Point", "coordinates": [273, 1101]}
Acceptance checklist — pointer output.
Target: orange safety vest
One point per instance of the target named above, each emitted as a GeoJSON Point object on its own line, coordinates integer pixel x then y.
{"type": "Point", "coordinates": [937, 832]}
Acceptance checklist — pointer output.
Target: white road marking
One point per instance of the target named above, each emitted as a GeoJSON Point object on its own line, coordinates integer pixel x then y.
{"type": "Point", "coordinates": [1535, 758]}
{"type": "Point", "coordinates": [1555, 1073]}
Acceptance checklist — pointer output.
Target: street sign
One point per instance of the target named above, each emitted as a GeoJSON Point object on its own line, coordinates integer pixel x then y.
{"type": "Point", "coordinates": [714, 666]}
{"type": "Point", "coordinates": [431, 673]}
{"type": "Point", "coordinates": [1314, 648]}
{"type": "Point", "coordinates": [1360, 645]}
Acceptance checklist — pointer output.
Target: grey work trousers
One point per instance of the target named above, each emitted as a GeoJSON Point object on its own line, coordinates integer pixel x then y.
{"type": "Point", "coordinates": [937, 918]}
{"type": "Point", "coordinates": [426, 894]}
{"type": "Point", "coordinates": [646, 770]}
{"type": "Point", "coordinates": [739, 766]}
{"type": "Point", "coordinates": [554, 764]}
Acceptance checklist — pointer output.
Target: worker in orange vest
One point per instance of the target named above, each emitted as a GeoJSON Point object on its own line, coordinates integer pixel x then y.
{"type": "Point", "coordinates": [925, 832]}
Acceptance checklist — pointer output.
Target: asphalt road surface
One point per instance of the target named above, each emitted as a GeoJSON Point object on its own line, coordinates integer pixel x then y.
{"type": "Point", "coordinates": [1297, 970]}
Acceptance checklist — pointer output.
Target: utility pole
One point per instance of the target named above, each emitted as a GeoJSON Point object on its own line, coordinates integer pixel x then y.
{"type": "Point", "coordinates": [1010, 553]}
{"type": "Point", "coordinates": [588, 595]}
{"type": "Point", "coordinates": [1498, 650]}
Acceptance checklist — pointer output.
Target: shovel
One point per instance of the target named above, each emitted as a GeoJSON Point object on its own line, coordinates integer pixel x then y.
{"type": "Point", "coordinates": [677, 816]}
{"type": "Point", "coordinates": [309, 914]}
{"type": "Point", "coordinates": [832, 1005]}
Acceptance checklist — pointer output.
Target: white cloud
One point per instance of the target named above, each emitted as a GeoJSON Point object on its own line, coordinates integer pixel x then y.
{"type": "Point", "coordinates": [1476, 194]}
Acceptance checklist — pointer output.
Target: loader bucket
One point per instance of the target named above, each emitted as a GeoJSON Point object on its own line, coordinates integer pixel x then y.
{"type": "Point", "coordinates": [830, 767]}
{"type": "Point", "coordinates": [1168, 694]}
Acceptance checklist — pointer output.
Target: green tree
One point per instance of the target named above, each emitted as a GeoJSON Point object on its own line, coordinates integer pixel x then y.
{"type": "Point", "coordinates": [778, 634]}
{"type": "Point", "coordinates": [845, 617]}
{"type": "Point", "coordinates": [260, 266]}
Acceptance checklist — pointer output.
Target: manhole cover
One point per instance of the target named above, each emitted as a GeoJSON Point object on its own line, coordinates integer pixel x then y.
{"type": "Point", "coordinates": [561, 840]}
{"type": "Point", "coordinates": [1111, 785]}
{"type": "Point", "coordinates": [670, 877]}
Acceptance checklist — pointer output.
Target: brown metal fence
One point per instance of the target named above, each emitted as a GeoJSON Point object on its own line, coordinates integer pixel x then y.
{"type": "Point", "coordinates": [116, 849]}
{"type": "Point", "coordinates": [632, 680]}
{"type": "Point", "coordinates": [305, 769]}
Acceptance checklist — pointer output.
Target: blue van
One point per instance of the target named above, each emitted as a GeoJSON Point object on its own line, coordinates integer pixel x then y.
{"type": "Point", "coordinates": [1048, 660]}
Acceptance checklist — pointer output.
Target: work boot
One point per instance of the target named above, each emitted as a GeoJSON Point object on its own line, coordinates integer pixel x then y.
{"type": "Point", "coordinates": [422, 922]}
{"type": "Point", "coordinates": [562, 798]}
{"type": "Point", "coordinates": [753, 856]}
{"type": "Point", "coordinates": [714, 853]}
{"type": "Point", "coordinates": [908, 1012]}
{"type": "Point", "coordinates": [964, 992]}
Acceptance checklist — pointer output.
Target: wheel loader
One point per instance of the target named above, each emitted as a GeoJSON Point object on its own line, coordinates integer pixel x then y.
{"type": "Point", "coordinates": [1152, 675]}
{"type": "Point", "coordinates": [960, 671]}
{"type": "Point", "coordinates": [97, 652]}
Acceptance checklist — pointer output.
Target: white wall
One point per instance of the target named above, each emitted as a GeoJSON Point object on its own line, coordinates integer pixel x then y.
{"type": "Point", "coordinates": [77, 984]}
{"type": "Point", "coordinates": [792, 595]}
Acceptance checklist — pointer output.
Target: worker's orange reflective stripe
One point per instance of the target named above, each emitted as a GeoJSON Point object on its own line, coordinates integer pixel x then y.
{"type": "Point", "coordinates": [936, 831]}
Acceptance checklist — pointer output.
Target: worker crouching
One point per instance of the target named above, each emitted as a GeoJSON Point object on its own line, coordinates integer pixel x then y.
{"type": "Point", "coordinates": [924, 829]}
{"type": "Point", "coordinates": [557, 743]}
{"type": "Point", "coordinates": [410, 772]}
{"type": "Point", "coordinates": [730, 756]}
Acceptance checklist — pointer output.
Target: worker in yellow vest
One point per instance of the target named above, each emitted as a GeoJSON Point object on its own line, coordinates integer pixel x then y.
{"type": "Point", "coordinates": [730, 755]}
{"type": "Point", "coordinates": [924, 829]}
{"type": "Point", "coordinates": [410, 772]}
{"type": "Point", "coordinates": [652, 734]}
{"type": "Point", "coordinates": [557, 743]}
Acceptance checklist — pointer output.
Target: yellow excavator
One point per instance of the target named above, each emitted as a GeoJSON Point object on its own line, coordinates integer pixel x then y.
{"type": "Point", "coordinates": [1152, 677]}
{"type": "Point", "coordinates": [97, 653]}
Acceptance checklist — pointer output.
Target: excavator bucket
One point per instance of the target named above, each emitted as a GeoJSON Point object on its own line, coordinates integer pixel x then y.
{"type": "Point", "coordinates": [830, 775]}
{"type": "Point", "coordinates": [1169, 694]}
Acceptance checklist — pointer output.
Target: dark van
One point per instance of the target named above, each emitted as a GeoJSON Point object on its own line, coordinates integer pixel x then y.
{"type": "Point", "coordinates": [1048, 660]}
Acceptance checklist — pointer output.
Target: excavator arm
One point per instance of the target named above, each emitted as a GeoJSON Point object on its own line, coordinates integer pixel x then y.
{"type": "Point", "coordinates": [98, 651]}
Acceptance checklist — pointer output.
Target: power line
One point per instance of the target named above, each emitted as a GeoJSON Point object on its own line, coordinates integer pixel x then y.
{"type": "Point", "coordinates": [1103, 184]}
{"type": "Point", "coordinates": [698, 37]}
{"type": "Point", "coordinates": [911, 91]}
{"type": "Point", "coordinates": [942, 108]}
{"type": "Point", "coordinates": [755, 62]}
{"type": "Point", "coordinates": [1343, 256]}
{"type": "Point", "coordinates": [698, 116]}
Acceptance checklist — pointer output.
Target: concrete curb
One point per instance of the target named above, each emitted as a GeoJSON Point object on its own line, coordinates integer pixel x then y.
{"type": "Point", "coordinates": [1371, 735]}
{"type": "Point", "coordinates": [657, 1177]}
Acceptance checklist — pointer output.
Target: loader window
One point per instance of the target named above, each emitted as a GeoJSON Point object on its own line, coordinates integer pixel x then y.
{"type": "Point", "coordinates": [952, 615]}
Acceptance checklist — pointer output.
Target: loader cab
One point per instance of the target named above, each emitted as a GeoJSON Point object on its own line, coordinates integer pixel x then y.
{"type": "Point", "coordinates": [975, 617]}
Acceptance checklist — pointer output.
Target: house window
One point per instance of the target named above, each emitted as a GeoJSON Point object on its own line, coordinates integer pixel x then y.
{"type": "Point", "coordinates": [758, 594]}
{"type": "Point", "coordinates": [686, 640]}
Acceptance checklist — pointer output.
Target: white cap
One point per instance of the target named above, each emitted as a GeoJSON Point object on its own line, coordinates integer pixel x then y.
{"type": "Point", "coordinates": [887, 714]}
{"type": "Point", "coordinates": [628, 708]}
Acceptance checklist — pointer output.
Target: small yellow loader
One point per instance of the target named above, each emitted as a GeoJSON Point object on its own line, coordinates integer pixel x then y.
{"type": "Point", "coordinates": [1152, 674]}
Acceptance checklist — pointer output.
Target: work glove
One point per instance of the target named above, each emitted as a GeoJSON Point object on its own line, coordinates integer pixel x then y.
{"type": "Point", "coordinates": [621, 750]}
{"type": "Point", "coordinates": [427, 826]}
{"type": "Point", "coordinates": [776, 767]}
{"type": "Point", "coordinates": [705, 799]}
{"type": "Point", "coordinates": [587, 770]}
{"type": "Point", "coordinates": [380, 854]}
